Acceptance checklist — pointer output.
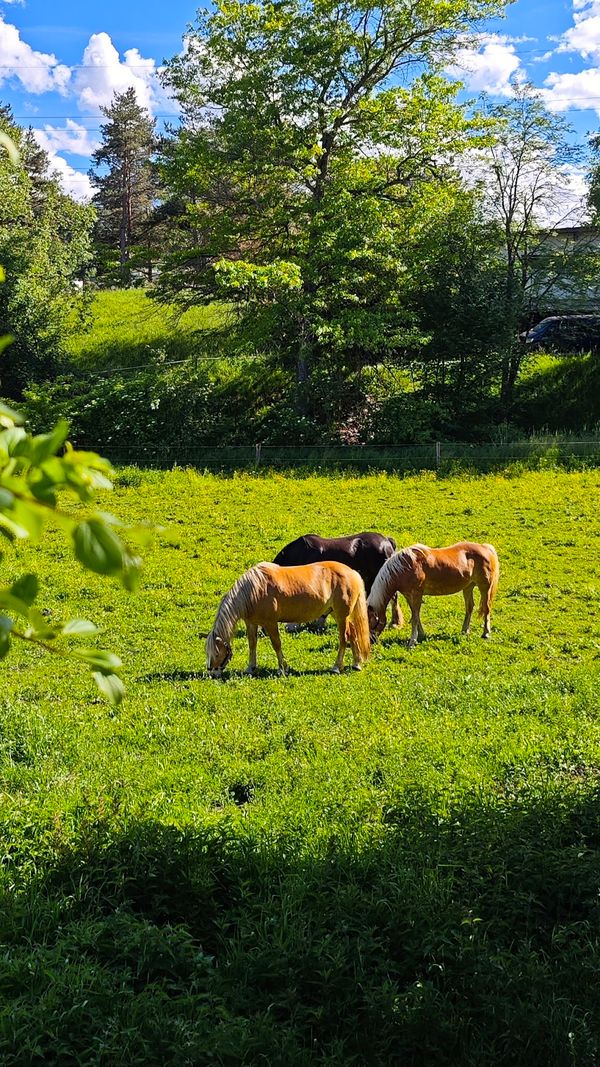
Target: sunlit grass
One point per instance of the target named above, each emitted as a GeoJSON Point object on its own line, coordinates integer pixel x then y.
{"type": "Point", "coordinates": [398, 866]}
{"type": "Point", "coordinates": [127, 327]}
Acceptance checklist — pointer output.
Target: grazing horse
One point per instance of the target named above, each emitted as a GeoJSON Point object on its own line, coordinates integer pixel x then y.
{"type": "Point", "coordinates": [420, 571]}
{"type": "Point", "coordinates": [268, 594]}
{"type": "Point", "coordinates": [365, 552]}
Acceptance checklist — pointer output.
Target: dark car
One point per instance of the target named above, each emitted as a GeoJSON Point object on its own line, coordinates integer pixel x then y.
{"type": "Point", "coordinates": [565, 333]}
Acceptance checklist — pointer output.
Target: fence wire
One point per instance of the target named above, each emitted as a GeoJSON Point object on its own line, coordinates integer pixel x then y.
{"type": "Point", "coordinates": [438, 455]}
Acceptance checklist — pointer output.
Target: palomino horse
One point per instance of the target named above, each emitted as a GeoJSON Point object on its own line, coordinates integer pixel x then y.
{"type": "Point", "coordinates": [420, 571]}
{"type": "Point", "coordinates": [267, 594]}
{"type": "Point", "coordinates": [365, 552]}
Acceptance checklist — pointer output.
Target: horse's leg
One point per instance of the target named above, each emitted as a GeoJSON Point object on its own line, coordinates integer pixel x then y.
{"type": "Point", "coordinates": [252, 635]}
{"type": "Point", "coordinates": [339, 662]}
{"type": "Point", "coordinates": [356, 653]}
{"type": "Point", "coordinates": [417, 631]}
{"type": "Point", "coordinates": [485, 607]}
{"type": "Point", "coordinates": [397, 620]}
{"type": "Point", "coordinates": [469, 605]}
{"type": "Point", "coordinates": [272, 631]}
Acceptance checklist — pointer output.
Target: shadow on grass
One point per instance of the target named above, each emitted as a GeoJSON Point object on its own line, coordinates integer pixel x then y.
{"type": "Point", "coordinates": [175, 675]}
{"type": "Point", "coordinates": [469, 938]}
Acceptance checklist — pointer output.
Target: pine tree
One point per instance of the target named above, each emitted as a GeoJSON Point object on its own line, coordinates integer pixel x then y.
{"type": "Point", "coordinates": [124, 177]}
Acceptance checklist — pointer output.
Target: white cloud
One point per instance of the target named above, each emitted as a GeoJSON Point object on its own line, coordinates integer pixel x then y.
{"type": "Point", "coordinates": [70, 138]}
{"type": "Point", "coordinates": [569, 207]}
{"type": "Point", "coordinates": [582, 90]}
{"type": "Point", "coordinates": [584, 35]}
{"type": "Point", "coordinates": [563, 192]}
{"type": "Point", "coordinates": [102, 74]}
{"type": "Point", "coordinates": [38, 72]}
{"type": "Point", "coordinates": [490, 66]}
{"type": "Point", "coordinates": [73, 182]}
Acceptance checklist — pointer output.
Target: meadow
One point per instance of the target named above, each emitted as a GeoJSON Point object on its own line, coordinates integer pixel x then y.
{"type": "Point", "coordinates": [395, 867]}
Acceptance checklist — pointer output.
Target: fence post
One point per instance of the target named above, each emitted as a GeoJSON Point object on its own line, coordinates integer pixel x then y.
{"type": "Point", "coordinates": [438, 453]}
{"type": "Point", "coordinates": [257, 449]}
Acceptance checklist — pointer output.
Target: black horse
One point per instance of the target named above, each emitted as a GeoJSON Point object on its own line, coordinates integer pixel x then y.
{"type": "Point", "coordinates": [364, 552]}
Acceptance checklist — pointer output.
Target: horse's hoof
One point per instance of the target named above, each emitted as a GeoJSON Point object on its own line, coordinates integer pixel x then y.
{"type": "Point", "coordinates": [283, 671]}
{"type": "Point", "coordinates": [485, 636]}
{"type": "Point", "coordinates": [335, 669]}
{"type": "Point", "coordinates": [249, 672]}
{"type": "Point", "coordinates": [357, 666]}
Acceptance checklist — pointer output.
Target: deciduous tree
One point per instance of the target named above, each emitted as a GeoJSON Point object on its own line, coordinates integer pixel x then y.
{"type": "Point", "coordinates": [307, 126]}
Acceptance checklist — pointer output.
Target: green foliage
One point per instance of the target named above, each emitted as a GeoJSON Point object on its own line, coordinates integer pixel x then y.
{"type": "Point", "coordinates": [300, 147]}
{"type": "Point", "coordinates": [44, 245]}
{"type": "Point", "coordinates": [397, 866]}
{"type": "Point", "coordinates": [32, 475]}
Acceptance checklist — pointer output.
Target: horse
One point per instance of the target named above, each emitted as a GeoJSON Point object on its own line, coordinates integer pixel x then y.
{"type": "Point", "coordinates": [419, 571]}
{"type": "Point", "coordinates": [268, 594]}
{"type": "Point", "coordinates": [364, 552]}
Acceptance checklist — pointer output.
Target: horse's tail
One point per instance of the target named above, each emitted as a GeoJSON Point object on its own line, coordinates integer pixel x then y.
{"type": "Point", "coordinates": [494, 578]}
{"type": "Point", "coordinates": [358, 622]}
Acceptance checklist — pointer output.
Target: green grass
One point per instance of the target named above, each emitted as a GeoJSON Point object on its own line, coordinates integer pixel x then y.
{"type": "Point", "coordinates": [127, 328]}
{"type": "Point", "coordinates": [394, 867]}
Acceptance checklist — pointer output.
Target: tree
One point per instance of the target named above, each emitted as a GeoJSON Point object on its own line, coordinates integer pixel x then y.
{"type": "Point", "coordinates": [33, 470]}
{"type": "Point", "coordinates": [307, 127]}
{"type": "Point", "coordinates": [124, 177]}
{"type": "Point", "coordinates": [524, 174]}
{"type": "Point", "coordinates": [457, 271]}
{"type": "Point", "coordinates": [44, 244]}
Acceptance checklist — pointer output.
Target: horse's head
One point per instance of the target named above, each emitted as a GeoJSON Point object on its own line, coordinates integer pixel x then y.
{"type": "Point", "coordinates": [218, 655]}
{"type": "Point", "coordinates": [376, 623]}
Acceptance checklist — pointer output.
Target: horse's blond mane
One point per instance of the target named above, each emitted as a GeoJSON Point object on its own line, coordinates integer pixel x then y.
{"type": "Point", "coordinates": [236, 604]}
{"type": "Point", "coordinates": [384, 585]}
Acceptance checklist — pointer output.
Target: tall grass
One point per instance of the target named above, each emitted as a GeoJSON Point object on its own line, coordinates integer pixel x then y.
{"type": "Point", "coordinates": [127, 328]}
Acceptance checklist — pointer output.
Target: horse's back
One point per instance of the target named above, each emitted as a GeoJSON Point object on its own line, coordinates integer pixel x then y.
{"type": "Point", "coordinates": [306, 572]}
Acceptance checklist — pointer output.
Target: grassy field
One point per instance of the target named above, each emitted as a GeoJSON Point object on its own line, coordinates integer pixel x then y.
{"type": "Point", "coordinates": [395, 867]}
{"type": "Point", "coordinates": [128, 329]}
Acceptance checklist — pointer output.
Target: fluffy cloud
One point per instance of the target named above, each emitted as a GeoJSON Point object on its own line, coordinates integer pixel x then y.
{"type": "Point", "coordinates": [562, 91]}
{"type": "Point", "coordinates": [38, 72]}
{"type": "Point", "coordinates": [102, 74]}
{"type": "Point", "coordinates": [584, 35]}
{"type": "Point", "coordinates": [71, 138]}
{"type": "Point", "coordinates": [74, 182]}
{"type": "Point", "coordinates": [490, 66]}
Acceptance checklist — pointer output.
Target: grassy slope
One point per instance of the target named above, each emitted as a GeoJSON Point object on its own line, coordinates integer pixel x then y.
{"type": "Point", "coordinates": [127, 328]}
{"type": "Point", "coordinates": [394, 867]}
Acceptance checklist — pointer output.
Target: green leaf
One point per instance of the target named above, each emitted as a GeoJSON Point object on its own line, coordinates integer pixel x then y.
{"type": "Point", "coordinates": [110, 685]}
{"type": "Point", "coordinates": [25, 588]}
{"type": "Point", "coordinates": [79, 628]}
{"type": "Point", "coordinates": [11, 148]}
{"type": "Point", "coordinates": [39, 626]}
{"type": "Point", "coordinates": [98, 547]}
{"type": "Point", "coordinates": [130, 576]}
{"type": "Point", "coordinates": [22, 520]}
{"type": "Point", "coordinates": [46, 445]}
{"type": "Point", "coordinates": [98, 659]}
{"type": "Point", "coordinates": [8, 417]}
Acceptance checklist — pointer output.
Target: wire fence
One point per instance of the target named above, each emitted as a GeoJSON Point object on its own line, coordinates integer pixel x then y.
{"type": "Point", "coordinates": [442, 456]}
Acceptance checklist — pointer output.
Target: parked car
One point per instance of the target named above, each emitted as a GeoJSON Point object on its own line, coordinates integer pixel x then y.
{"type": "Point", "coordinates": [565, 333]}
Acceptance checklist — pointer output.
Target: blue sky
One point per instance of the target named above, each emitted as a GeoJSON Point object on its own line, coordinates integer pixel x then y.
{"type": "Point", "coordinates": [61, 60]}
